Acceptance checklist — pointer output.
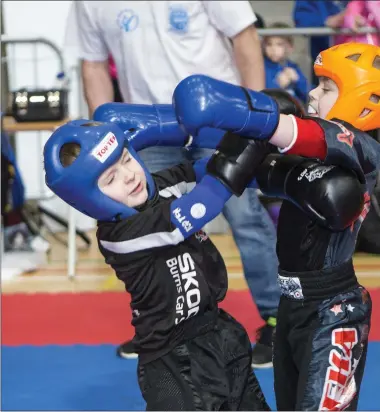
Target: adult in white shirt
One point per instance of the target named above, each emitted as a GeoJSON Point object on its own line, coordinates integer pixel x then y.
{"type": "Point", "coordinates": [156, 44]}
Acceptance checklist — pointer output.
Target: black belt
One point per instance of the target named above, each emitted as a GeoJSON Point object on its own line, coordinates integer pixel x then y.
{"type": "Point", "coordinates": [318, 284]}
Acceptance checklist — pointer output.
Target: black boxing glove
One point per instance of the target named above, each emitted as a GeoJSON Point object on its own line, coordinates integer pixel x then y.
{"type": "Point", "coordinates": [332, 195]}
{"type": "Point", "coordinates": [235, 161]}
{"type": "Point", "coordinates": [287, 104]}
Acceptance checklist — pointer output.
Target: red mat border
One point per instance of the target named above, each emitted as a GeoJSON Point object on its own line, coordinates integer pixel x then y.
{"type": "Point", "coordinates": [104, 317]}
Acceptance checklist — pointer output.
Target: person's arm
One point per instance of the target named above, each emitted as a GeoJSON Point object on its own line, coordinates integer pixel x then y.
{"type": "Point", "coordinates": [168, 223]}
{"type": "Point", "coordinates": [353, 12]}
{"type": "Point", "coordinates": [94, 54]}
{"type": "Point", "coordinates": [236, 21]}
{"type": "Point", "coordinates": [336, 20]}
{"type": "Point", "coordinates": [181, 179]}
{"type": "Point", "coordinates": [333, 142]}
{"type": "Point", "coordinates": [97, 84]}
{"type": "Point", "coordinates": [249, 58]}
{"type": "Point", "coordinates": [227, 174]}
{"type": "Point", "coordinates": [201, 101]}
{"type": "Point", "coordinates": [303, 137]}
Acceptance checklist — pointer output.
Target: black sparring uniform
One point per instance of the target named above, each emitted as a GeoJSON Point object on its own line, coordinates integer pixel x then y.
{"type": "Point", "coordinates": [324, 314]}
{"type": "Point", "coordinates": [192, 355]}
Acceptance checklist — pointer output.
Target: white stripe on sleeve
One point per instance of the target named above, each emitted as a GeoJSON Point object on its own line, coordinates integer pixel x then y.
{"type": "Point", "coordinates": [177, 190]}
{"type": "Point", "coordinates": [150, 241]}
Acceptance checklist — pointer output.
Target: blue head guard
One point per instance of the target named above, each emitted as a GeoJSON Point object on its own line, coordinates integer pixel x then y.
{"type": "Point", "coordinates": [101, 145]}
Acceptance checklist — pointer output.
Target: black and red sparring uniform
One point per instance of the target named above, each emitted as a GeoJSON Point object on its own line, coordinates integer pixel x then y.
{"type": "Point", "coordinates": [324, 313]}
{"type": "Point", "coordinates": [192, 355]}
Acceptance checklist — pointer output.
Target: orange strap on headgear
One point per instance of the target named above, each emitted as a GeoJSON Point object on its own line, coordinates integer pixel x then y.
{"type": "Point", "coordinates": [355, 68]}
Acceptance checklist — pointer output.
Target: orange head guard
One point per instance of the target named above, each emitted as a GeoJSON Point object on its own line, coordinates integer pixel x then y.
{"type": "Point", "coordinates": [355, 68]}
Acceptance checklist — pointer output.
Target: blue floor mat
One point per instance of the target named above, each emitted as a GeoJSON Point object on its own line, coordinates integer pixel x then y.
{"type": "Point", "coordinates": [92, 378]}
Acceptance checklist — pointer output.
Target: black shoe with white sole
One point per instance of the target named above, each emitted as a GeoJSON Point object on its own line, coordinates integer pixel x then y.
{"type": "Point", "coordinates": [126, 350]}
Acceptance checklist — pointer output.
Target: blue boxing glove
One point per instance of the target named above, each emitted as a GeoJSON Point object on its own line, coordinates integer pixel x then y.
{"type": "Point", "coordinates": [207, 138]}
{"type": "Point", "coordinates": [201, 101]}
{"type": "Point", "coordinates": [154, 125]}
{"type": "Point", "coordinates": [144, 125]}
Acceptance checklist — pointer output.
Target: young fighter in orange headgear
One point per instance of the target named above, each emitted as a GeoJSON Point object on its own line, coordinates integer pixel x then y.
{"type": "Point", "coordinates": [324, 314]}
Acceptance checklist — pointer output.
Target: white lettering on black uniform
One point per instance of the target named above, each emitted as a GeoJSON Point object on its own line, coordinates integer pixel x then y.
{"type": "Point", "coordinates": [182, 268]}
{"type": "Point", "coordinates": [182, 219]}
{"type": "Point", "coordinates": [170, 280]}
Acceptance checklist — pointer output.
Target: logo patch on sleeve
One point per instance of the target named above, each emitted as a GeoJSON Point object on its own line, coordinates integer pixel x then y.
{"type": "Point", "coordinates": [346, 136]}
{"type": "Point", "coordinates": [105, 148]}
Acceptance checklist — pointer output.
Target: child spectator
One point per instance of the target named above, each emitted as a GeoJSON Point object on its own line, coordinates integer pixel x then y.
{"type": "Point", "coordinates": [361, 14]}
{"type": "Point", "coordinates": [280, 72]}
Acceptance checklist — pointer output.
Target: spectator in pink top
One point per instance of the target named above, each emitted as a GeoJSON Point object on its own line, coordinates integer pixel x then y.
{"type": "Point", "coordinates": [360, 14]}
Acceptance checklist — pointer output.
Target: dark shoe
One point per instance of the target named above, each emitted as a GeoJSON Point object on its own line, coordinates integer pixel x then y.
{"type": "Point", "coordinates": [262, 352]}
{"type": "Point", "coordinates": [126, 350]}
{"type": "Point", "coordinates": [18, 238]}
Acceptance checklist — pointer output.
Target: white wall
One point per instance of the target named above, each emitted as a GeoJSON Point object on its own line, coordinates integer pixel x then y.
{"type": "Point", "coordinates": [47, 19]}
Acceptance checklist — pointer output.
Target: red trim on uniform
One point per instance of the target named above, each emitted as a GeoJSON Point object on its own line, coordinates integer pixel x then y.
{"type": "Point", "coordinates": [310, 141]}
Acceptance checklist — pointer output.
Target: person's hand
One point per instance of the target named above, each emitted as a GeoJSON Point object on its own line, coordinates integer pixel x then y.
{"type": "Point", "coordinates": [335, 21]}
{"type": "Point", "coordinates": [291, 73]}
{"type": "Point", "coordinates": [359, 21]}
{"type": "Point", "coordinates": [283, 79]}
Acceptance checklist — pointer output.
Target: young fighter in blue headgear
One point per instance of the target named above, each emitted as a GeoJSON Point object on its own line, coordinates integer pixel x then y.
{"type": "Point", "coordinates": [192, 355]}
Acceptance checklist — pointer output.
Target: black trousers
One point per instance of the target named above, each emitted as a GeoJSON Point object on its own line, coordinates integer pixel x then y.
{"type": "Point", "coordinates": [320, 349]}
{"type": "Point", "coordinates": [209, 372]}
